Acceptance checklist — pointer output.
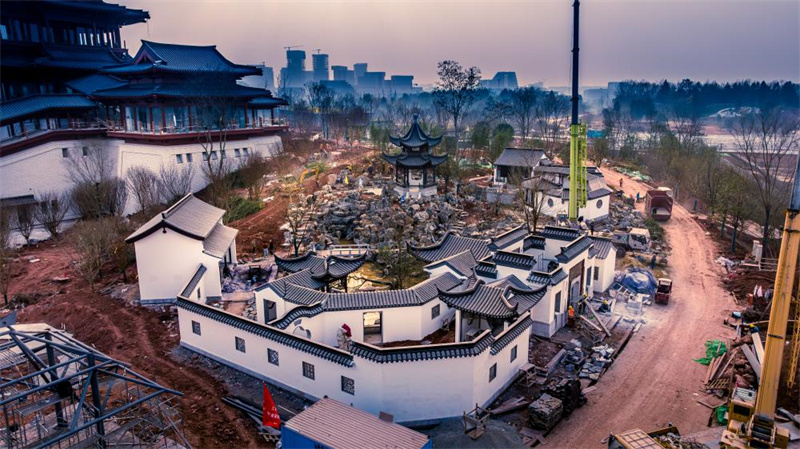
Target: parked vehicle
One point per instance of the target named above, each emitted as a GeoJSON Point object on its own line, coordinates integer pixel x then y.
{"type": "Point", "coordinates": [637, 239]}
{"type": "Point", "coordinates": [639, 439]}
{"type": "Point", "coordinates": [663, 291]}
{"type": "Point", "coordinates": [658, 203]}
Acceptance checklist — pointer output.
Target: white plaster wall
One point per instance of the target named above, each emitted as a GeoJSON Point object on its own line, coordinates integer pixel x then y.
{"type": "Point", "coordinates": [154, 156]}
{"type": "Point", "coordinates": [411, 391]}
{"type": "Point", "coordinates": [607, 267]}
{"type": "Point", "coordinates": [43, 169]}
{"type": "Point", "coordinates": [595, 209]}
{"type": "Point", "coordinates": [165, 262]}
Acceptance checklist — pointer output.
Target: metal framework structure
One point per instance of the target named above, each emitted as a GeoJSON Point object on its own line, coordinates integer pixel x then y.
{"type": "Point", "coordinates": [58, 392]}
{"type": "Point", "coordinates": [577, 131]}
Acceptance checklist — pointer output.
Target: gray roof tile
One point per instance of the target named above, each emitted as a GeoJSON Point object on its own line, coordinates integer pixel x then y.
{"type": "Point", "coordinates": [574, 249]}
{"type": "Point", "coordinates": [508, 238]}
{"type": "Point", "coordinates": [189, 216]}
{"type": "Point", "coordinates": [220, 239]}
{"type": "Point", "coordinates": [450, 245]}
{"type": "Point", "coordinates": [39, 103]}
{"type": "Point", "coordinates": [462, 263]}
{"type": "Point", "coordinates": [520, 157]}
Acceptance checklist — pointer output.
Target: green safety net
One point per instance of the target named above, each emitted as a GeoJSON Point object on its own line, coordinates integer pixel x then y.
{"type": "Point", "coordinates": [713, 348]}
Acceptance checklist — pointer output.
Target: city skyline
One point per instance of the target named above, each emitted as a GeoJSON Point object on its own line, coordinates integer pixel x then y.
{"type": "Point", "coordinates": [619, 39]}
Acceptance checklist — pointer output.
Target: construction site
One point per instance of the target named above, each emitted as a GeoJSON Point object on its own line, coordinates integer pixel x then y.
{"type": "Point", "coordinates": [388, 288]}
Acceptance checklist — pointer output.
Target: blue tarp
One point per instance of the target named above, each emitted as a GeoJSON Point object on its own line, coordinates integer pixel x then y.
{"type": "Point", "coordinates": [639, 280]}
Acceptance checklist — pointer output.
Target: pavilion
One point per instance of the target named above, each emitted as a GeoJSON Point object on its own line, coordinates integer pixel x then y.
{"type": "Point", "coordinates": [415, 165]}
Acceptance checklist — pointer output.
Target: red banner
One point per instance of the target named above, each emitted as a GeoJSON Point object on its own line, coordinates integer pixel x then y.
{"type": "Point", "coordinates": [269, 413]}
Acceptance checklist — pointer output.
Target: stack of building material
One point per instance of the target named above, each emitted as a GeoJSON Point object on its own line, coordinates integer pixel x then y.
{"type": "Point", "coordinates": [568, 390]}
{"type": "Point", "coordinates": [600, 358]}
{"type": "Point", "coordinates": [545, 412]}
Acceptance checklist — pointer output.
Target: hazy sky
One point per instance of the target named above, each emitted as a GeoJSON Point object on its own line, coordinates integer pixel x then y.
{"type": "Point", "coordinates": [642, 39]}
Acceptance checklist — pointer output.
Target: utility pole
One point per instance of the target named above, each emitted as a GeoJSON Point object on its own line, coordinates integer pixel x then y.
{"type": "Point", "coordinates": [577, 132]}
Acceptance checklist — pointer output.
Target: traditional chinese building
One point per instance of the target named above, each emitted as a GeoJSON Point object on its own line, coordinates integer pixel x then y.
{"type": "Point", "coordinates": [415, 165]}
{"type": "Point", "coordinates": [70, 89]}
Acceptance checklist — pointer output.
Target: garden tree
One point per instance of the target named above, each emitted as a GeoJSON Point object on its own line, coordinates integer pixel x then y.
{"type": "Point", "coordinates": [551, 118]}
{"type": "Point", "coordinates": [7, 254]}
{"type": "Point", "coordinates": [146, 188]}
{"type": "Point", "coordinates": [216, 113]}
{"type": "Point", "coordinates": [617, 128]}
{"type": "Point", "coordinates": [686, 123]}
{"type": "Point", "coordinates": [529, 196]}
{"type": "Point", "coordinates": [738, 201]}
{"type": "Point", "coordinates": [765, 140]}
{"type": "Point", "coordinates": [599, 150]}
{"type": "Point", "coordinates": [496, 110]}
{"type": "Point", "coordinates": [502, 136]}
{"type": "Point", "coordinates": [90, 244]}
{"type": "Point", "coordinates": [320, 98]}
{"type": "Point", "coordinates": [379, 136]}
{"type": "Point", "coordinates": [176, 182]}
{"type": "Point", "coordinates": [455, 92]}
{"type": "Point", "coordinates": [710, 176]}
{"type": "Point", "coordinates": [522, 109]}
{"type": "Point", "coordinates": [119, 252]}
{"type": "Point", "coordinates": [399, 264]}
{"type": "Point", "coordinates": [252, 171]}
{"type": "Point", "coordinates": [51, 210]}
{"type": "Point", "coordinates": [481, 135]}
{"type": "Point", "coordinates": [299, 212]}
{"type": "Point", "coordinates": [23, 219]}
{"type": "Point", "coordinates": [96, 190]}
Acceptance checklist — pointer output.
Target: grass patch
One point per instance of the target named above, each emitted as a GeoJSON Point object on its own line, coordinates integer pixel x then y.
{"type": "Point", "coordinates": [242, 207]}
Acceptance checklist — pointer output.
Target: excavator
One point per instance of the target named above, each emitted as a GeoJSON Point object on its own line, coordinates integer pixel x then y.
{"type": "Point", "coordinates": [751, 418]}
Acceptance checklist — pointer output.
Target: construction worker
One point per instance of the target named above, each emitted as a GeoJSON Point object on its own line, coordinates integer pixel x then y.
{"type": "Point", "coordinates": [604, 307]}
{"type": "Point", "coordinates": [753, 329]}
{"type": "Point", "coordinates": [620, 183]}
{"type": "Point", "coordinates": [570, 316]}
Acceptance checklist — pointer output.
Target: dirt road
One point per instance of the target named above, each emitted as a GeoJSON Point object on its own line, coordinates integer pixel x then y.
{"type": "Point", "coordinates": [655, 381]}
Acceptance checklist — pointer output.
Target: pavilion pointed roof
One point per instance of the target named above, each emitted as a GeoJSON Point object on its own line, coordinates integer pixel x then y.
{"type": "Point", "coordinates": [415, 140]}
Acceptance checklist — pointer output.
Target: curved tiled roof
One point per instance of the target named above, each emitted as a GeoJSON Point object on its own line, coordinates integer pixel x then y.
{"type": "Point", "coordinates": [414, 296]}
{"type": "Point", "coordinates": [481, 300]}
{"type": "Point", "coordinates": [35, 104]}
{"type": "Point", "coordinates": [559, 233]}
{"type": "Point", "coordinates": [574, 249]}
{"type": "Point", "coordinates": [533, 241]}
{"type": "Point", "coordinates": [514, 260]}
{"type": "Point", "coordinates": [415, 137]}
{"type": "Point", "coordinates": [414, 159]}
{"type": "Point", "coordinates": [160, 57]}
{"type": "Point", "coordinates": [509, 237]}
{"type": "Point", "coordinates": [424, 352]}
{"type": "Point", "coordinates": [324, 269]}
{"type": "Point", "coordinates": [552, 278]}
{"type": "Point", "coordinates": [297, 313]}
{"type": "Point", "coordinates": [520, 157]}
{"type": "Point", "coordinates": [450, 245]}
{"type": "Point", "coordinates": [302, 278]}
{"type": "Point", "coordinates": [514, 331]}
{"type": "Point", "coordinates": [601, 247]}
{"type": "Point", "coordinates": [189, 216]}
{"type": "Point", "coordinates": [220, 239]}
{"type": "Point", "coordinates": [462, 263]}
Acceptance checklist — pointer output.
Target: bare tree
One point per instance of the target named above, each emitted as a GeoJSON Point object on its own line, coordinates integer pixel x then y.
{"type": "Point", "coordinates": [298, 214]}
{"type": "Point", "coordinates": [176, 182]}
{"type": "Point", "coordinates": [91, 242]}
{"type": "Point", "coordinates": [23, 220]}
{"type": "Point", "coordinates": [399, 264]}
{"type": "Point", "coordinates": [252, 172]}
{"type": "Point", "coordinates": [7, 254]}
{"type": "Point", "coordinates": [551, 118]}
{"type": "Point", "coordinates": [51, 210]}
{"type": "Point", "coordinates": [89, 164]}
{"type": "Point", "coordinates": [146, 188]}
{"type": "Point", "coordinates": [455, 92]}
{"type": "Point", "coordinates": [96, 190]}
{"type": "Point", "coordinates": [765, 138]}
{"type": "Point", "coordinates": [522, 109]}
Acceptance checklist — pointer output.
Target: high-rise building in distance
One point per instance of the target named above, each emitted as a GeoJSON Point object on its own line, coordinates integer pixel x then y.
{"type": "Point", "coordinates": [320, 64]}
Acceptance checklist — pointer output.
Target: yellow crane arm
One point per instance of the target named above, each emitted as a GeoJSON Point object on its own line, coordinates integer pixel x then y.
{"type": "Point", "coordinates": [766, 399]}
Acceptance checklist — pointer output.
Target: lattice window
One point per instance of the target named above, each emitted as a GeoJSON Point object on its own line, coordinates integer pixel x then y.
{"type": "Point", "coordinates": [273, 357]}
{"type": "Point", "coordinates": [492, 372]}
{"type": "Point", "coordinates": [513, 353]}
{"type": "Point", "coordinates": [435, 311]}
{"type": "Point", "coordinates": [240, 346]}
{"type": "Point", "coordinates": [308, 370]}
{"type": "Point", "coordinates": [348, 385]}
{"type": "Point", "coordinates": [196, 328]}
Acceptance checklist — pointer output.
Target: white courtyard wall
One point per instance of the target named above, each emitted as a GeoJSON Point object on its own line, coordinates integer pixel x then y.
{"type": "Point", "coordinates": [412, 391]}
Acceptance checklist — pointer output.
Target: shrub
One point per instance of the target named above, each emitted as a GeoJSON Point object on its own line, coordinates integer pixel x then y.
{"type": "Point", "coordinates": [242, 207]}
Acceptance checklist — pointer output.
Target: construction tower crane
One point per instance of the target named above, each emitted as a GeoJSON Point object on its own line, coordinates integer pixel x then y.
{"type": "Point", "coordinates": [751, 424]}
{"type": "Point", "coordinates": [577, 132]}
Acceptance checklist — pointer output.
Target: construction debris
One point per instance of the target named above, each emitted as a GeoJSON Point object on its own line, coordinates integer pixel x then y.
{"type": "Point", "coordinates": [545, 412]}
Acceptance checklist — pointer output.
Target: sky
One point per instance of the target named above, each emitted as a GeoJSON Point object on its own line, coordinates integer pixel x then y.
{"type": "Point", "coordinates": [635, 39]}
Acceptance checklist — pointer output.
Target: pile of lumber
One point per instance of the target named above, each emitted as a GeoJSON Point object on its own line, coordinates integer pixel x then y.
{"type": "Point", "coordinates": [739, 367]}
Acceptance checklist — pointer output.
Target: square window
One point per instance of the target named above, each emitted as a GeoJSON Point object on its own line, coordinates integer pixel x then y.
{"type": "Point", "coordinates": [240, 346]}
{"type": "Point", "coordinates": [196, 328]}
{"type": "Point", "coordinates": [214, 155]}
{"type": "Point", "coordinates": [205, 156]}
{"type": "Point", "coordinates": [492, 372]}
{"type": "Point", "coordinates": [273, 357]}
{"type": "Point", "coordinates": [348, 385]}
{"type": "Point", "coordinates": [308, 370]}
{"type": "Point", "coordinates": [188, 157]}
{"type": "Point", "coordinates": [179, 158]}
{"type": "Point", "coordinates": [65, 152]}
{"type": "Point", "coordinates": [513, 353]}
{"type": "Point", "coordinates": [237, 153]}
{"type": "Point", "coordinates": [435, 311]}
{"type": "Point", "coordinates": [245, 151]}
{"type": "Point", "coordinates": [85, 151]}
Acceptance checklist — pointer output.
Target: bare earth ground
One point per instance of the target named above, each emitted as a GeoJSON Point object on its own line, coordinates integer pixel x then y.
{"type": "Point", "coordinates": [655, 381]}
